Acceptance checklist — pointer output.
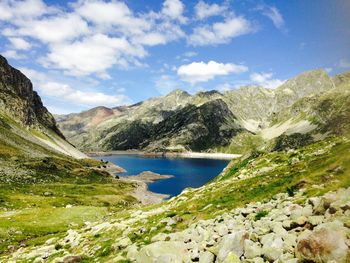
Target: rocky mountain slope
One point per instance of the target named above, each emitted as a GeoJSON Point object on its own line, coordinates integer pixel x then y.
{"type": "Point", "coordinates": [41, 174]}
{"type": "Point", "coordinates": [283, 206]}
{"type": "Point", "coordinates": [248, 113]}
{"type": "Point", "coordinates": [23, 115]}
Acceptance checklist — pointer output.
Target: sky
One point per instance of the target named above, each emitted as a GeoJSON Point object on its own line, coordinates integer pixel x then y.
{"type": "Point", "coordinates": [86, 53]}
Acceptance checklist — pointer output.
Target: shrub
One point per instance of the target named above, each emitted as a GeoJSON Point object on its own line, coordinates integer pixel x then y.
{"type": "Point", "coordinates": [261, 214]}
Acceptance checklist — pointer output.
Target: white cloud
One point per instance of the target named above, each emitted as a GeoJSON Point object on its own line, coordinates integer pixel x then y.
{"type": "Point", "coordinates": [10, 9]}
{"type": "Point", "coordinates": [204, 10]}
{"type": "Point", "coordinates": [220, 32]}
{"type": "Point", "coordinates": [274, 15]}
{"type": "Point", "coordinates": [64, 91]}
{"type": "Point", "coordinates": [190, 54]}
{"type": "Point", "coordinates": [344, 63]}
{"type": "Point", "coordinates": [166, 84]}
{"type": "Point", "coordinates": [90, 37]}
{"type": "Point", "coordinates": [201, 72]}
{"type": "Point", "coordinates": [55, 89]}
{"type": "Point", "coordinates": [93, 54]}
{"type": "Point", "coordinates": [54, 29]}
{"type": "Point", "coordinates": [266, 80]}
{"type": "Point", "coordinates": [113, 15]}
{"type": "Point", "coordinates": [174, 9]}
{"type": "Point", "coordinates": [13, 54]}
{"type": "Point", "coordinates": [20, 43]}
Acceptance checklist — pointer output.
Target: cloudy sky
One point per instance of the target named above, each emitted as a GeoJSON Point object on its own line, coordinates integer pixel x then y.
{"type": "Point", "coordinates": [80, 54]}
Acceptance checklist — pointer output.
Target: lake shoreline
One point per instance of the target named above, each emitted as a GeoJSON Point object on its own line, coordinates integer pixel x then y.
{"type": "Point", "coordinates": [194, 155]}
{"type": "Point", "coordinates": [141, 192]}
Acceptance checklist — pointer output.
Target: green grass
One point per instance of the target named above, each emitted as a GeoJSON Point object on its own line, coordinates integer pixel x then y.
{"type": "Point", "coordinates": [36, 185]}
{"type": "Point", "coordinates": [227, 192]}
{"type": "Point", "coordinates": [261, 214]}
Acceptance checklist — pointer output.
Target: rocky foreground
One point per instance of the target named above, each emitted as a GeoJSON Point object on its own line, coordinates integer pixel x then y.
{"type": "Point", "coordinates": [284, 229]}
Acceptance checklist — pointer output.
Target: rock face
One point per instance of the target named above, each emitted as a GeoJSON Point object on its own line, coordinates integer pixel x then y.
{"type": "Point", "coordinates": [207, 120]}
{"type": "Point", "coordinates": [19, 100]}
{"type": "Point", "coordinates": [324, 245]}
{"type": "Point", "coordinates": [26, 125]}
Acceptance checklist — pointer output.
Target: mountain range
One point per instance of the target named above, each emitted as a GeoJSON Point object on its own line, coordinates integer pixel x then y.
{"type": "Point", "coordinates": [286, 199]}
{"type": "Point", "coordinates": [213, 121]}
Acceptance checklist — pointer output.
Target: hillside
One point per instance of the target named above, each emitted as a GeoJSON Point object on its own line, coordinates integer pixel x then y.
{"type": "Point", "coordinates": [46, 182]}
{"type": "Point", "coordinates": [281, 206]}
{"type": "Point", "coordinates": [247, 115]}
{"type": "Point", "coordinates": [26, 117]}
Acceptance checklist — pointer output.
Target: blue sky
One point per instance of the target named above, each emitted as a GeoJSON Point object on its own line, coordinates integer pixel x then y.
{"type": "Point", "coordinates": [80, 54]}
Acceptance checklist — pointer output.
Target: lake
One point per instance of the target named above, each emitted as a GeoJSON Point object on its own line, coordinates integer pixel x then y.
{"type": "Point", "coordinates": [187, 172]}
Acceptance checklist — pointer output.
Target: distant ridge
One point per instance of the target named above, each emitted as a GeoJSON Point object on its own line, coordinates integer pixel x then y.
{"type": "Point", "coordinates": [253, 113]}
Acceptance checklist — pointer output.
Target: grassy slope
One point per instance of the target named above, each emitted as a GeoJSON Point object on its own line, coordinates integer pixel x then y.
{"type": "Point", "coordinates": [318, 168]}
{"type": "Point", "coordinates": [29, 170]}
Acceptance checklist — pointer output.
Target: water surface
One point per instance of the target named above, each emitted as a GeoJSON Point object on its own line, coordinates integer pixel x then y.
{"type": "Point", "coordinates": [187, 172]}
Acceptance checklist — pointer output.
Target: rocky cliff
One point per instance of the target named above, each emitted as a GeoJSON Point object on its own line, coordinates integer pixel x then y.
{"type": "Point", "coordinates": [19, 100]}
{"type": "Point", "coordinates": [24, 116]}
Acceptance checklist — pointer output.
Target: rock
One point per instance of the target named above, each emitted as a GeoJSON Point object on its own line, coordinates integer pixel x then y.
{"type": "Point", "coordinates": [232, 243]}
{"type": "Point", "coordinates": [206, 257]}
{"type": "Point", "coordinates": [314, 201]}
{"type": "Point", "coordinates": [272, 246]}
{"type": "Point", "coordinates": [315, 220]}
{"type": "Point", "coordinates": [231, 258]}
{"type": "Point", "coordinates": [287, 258]}
{"type": "Point", "coordinates": [72, 259]}
{"type": "Point", "coordinates": [255, 260]}
{"type": "Point", "coordinates": [323, 245]}
{"type": "Point", "coordinates": [278, 229]}
{"type": "Point", "coordinates": [300, 221]}
{"type": "Point", "coordinates": [289, 242]}
{"type": "Point", "coordinates": [72, 238]}
{"type": "Point", "coordinates": [166, 258]}
{"type": "Point", "coordinates": [132, 252]}
{"type": "Point", "coordinates": [161, 250]}
{"type": "Point", "coordinates": [251, 249]}
{"type": "Point", "coordinates": [222, 230]}
{"type": "Point", "coordinates": [123, 243]}
{"type": "Point", "coordinates": [287, 224]}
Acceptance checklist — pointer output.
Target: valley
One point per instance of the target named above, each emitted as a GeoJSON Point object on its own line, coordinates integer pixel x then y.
{"type": "Point", "coordinates": [286, 190]}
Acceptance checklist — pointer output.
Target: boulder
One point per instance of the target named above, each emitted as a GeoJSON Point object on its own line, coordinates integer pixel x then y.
{"type": "Point", "coordinates": [323, 245]}
{"type": "Point", "coordinates": [251, 249]}
{"type": "Point", "coordinates": [232, 243]}
{"type": "Point", "coordinates": [206, 257]}
{"type": "Point", "coordinates": [272, 246]}
{"type": "Point", "coordinates": [174, 251]}
{"type": "Point", "coordinates": [232, 258]}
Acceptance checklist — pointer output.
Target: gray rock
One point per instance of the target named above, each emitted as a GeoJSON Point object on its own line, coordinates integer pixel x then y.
{"type": "Point", "coordinates": [272, 246]}
{"type": "Point", "coordinates": [206, 257]}
{"type": "Point", "coordinates": [232, 243]}
{"type": "Point", "coordinates": [323, 245]}
{"type": "Point", "coordinates": [315, 220]}
{"type": "Point", "coordinates": [162, 250]}
{"type": "Point", "coordinates": [231, 258]}
{"type": "Point", "coordinates": [222, 229]}
{"type": "Point", "coordinates": [251, 249]}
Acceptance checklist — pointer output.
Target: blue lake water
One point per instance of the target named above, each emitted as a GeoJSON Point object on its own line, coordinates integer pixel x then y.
{"type": "Point", "coordinates": [187, 172]}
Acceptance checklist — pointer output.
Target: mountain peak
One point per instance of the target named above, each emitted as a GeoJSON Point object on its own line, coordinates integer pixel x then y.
{"type": "Point", "coordinates": [178, 92]}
